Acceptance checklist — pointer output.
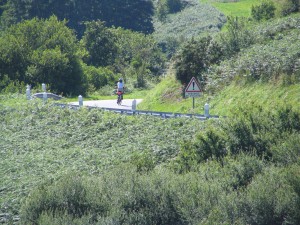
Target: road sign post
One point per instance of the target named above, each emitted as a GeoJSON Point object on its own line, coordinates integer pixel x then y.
{"type": "Point", "coordinates": [193, 89]}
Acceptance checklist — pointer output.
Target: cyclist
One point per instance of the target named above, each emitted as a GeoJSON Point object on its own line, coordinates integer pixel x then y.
{"type": "Point", "coordinates": [120, 88]}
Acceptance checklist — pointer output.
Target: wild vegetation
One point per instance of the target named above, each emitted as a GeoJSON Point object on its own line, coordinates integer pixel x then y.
{"type": "Point", "coordinates": [94, 167]}
{"type": "Point", "coordinates": [65, 166]}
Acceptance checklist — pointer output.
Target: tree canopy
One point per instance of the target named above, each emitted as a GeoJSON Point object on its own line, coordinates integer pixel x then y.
{"type": "Point", "coordinates": [130, 14]}
{"type": "Point", "coordinates": [42, 51]}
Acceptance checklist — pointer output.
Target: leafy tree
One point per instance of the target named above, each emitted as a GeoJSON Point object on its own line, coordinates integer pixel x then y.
{"type": "Point", "coordinates": [100, 43]}
{"type": "Point", "coordinates": [42, 51]}
{"type": "Point", "coordinates": [195, 57]}
{"type": "Point", "coordinates": [138, 51]}
{"type": "Point", "coordinates": [161, 10]}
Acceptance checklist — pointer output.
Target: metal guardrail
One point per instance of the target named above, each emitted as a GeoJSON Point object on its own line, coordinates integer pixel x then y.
{"type": "Point", "coordinates": [140, 112]}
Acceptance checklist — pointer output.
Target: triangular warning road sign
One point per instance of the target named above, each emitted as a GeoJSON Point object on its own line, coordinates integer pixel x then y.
{"type": "Point", "coordinates": [193, 86]}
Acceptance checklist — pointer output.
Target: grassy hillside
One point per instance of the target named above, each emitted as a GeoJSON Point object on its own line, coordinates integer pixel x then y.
{"type": "Point", "coordinates": [167, 97]}
{"type": "Point", "coordinates": [265, 72]}
{"type": "Point", "coordinates": [63, 166]}
{"type": "Point", "coordinates": [234, 8]}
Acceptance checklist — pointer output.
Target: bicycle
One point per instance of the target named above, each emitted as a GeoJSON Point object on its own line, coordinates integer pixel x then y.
{"type": "Point", "coordinates": [120, 97]}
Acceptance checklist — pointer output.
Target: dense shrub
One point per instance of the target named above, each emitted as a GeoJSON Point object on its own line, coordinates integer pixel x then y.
{"type": "Point", "coordinates": [10, 86]}
{"type": "Point", "coordinates": [195, 57]}
{"type": "Point", "coordinates": [268, 199]}
{"type": "Point", "coordinates": [290, 6]}
{"type": "Point", "coordinates": [238, 36]}
{"type": "Point", "coordinates": [260, 133]}
{"type": "Point", "coordinates": [288, 151]}
{"type": "Point", "coordinates": [123, 196]}
{"type": "Point", "coordinates": [98, 77]}
{"type": "Point", "coordinates": [264, 11]}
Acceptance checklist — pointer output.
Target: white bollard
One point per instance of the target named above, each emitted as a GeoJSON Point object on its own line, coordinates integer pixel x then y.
{"type": "Point", "coordinates": [44, 87]}
{"type": "Point", "coordinates": [28, 95]}
{"type": "Point", "coordinates": [45, 96]}
{"type": "Point", "coordinates": [206, 110]}
{"type": "Point", "coordinates": [80, 100]}
{"type": "Point", "coordinates": [133, 105]}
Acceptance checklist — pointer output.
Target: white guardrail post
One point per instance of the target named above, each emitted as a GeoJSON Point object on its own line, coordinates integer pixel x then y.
{"type": "Point", "coordinates": [28, 94]}
{"type": "Point", "coordinates": [206, 110]}
{"type": "Point", "coordinates": [133, 106]}
{"type": "Point", "coordinates": [45, 96]}
{"type": "Point", "coordinates": [80, 100]}
{"type": "Point", "coordinates": [44, 87]}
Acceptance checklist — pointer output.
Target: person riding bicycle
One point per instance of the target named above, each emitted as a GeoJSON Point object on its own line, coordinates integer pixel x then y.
{"type": "Point", "coordinates": [120, 88]}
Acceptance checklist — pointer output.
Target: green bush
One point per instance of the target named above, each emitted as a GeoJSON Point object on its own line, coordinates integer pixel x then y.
{"type": "Point", "coordinates": [237, 36]}
{"type": "Point", "coordinates": [9, 86]}
{"type": "Point", "coordinates": [68, 196]}
{"type": "Point", "coordinates": [98, 77]}
{"type": "Point", "coordinates": [241, 169]}
{"type": "Point", "coordinates": [264, 11]}
{"type": "Point", "coordinates": [269, 199]}
{"type": "Point", "coordinates": [288, 151]}
{"type": "Point", "coordinates": [132, 198]}
{"type": "Point", "coordinates": [195, 57]}
{"type": "Point", "coordinates": [165, 7]}
{"type": "Point", "coordinates": [290, 6]}
{"type": "Point", "coordinates": [293, 177]}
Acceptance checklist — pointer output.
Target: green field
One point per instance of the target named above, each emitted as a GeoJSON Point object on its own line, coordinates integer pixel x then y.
{"type": "Point", "coordinates": [89, 165]}
{"type": "Point", "coordinates": [239, 8]}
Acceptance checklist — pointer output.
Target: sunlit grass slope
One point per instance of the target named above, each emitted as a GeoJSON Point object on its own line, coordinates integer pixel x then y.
{"type": "Point", "coordinates": [167, 97]}
{"type": "Point", "coordinates": [239, 8]}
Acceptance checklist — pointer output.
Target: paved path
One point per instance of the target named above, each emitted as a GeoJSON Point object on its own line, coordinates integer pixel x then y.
{"type": "Point", "coordinates": [126, 103]}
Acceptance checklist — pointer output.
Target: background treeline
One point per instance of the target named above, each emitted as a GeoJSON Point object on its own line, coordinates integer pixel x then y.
{"type": "Point", "coordinates": [47, 51]}
{"type": "Point", "coordinates": [133, 14]}
{"type": "Point", "coordinates": [86, 46]}
{"type": "Point", "coordinates": [77, 47]}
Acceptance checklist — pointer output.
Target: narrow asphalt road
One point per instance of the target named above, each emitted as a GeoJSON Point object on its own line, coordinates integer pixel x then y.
{"type": "Point", "coordinates": [126, 103]}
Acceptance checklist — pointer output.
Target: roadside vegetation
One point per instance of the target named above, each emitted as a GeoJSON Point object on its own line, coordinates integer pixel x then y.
{"type": "Point", "coordinates": [65, 166]}
{"type": "Point", "coordinates": [92, 167]}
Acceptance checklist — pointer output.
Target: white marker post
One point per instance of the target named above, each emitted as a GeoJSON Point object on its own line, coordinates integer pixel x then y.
{"type": "Point", "coordinates": [44, 87]}
{"type": "Point", "coordinates": [133, 106]}
{"type": "Point", "coordinates": [206, 110]}
{"type": "Point", "coordinates": [80, 100]}
{"type": "Point", "coordinates": [28, 94]}
{"type": "Point", "coordinates": [45, 96]}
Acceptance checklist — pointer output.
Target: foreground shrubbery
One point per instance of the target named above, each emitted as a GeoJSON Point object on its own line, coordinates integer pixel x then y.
{"type": "Point", "coordinates": [236, 171]}
{"type": "Point", "coordinates": [208, 196]}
